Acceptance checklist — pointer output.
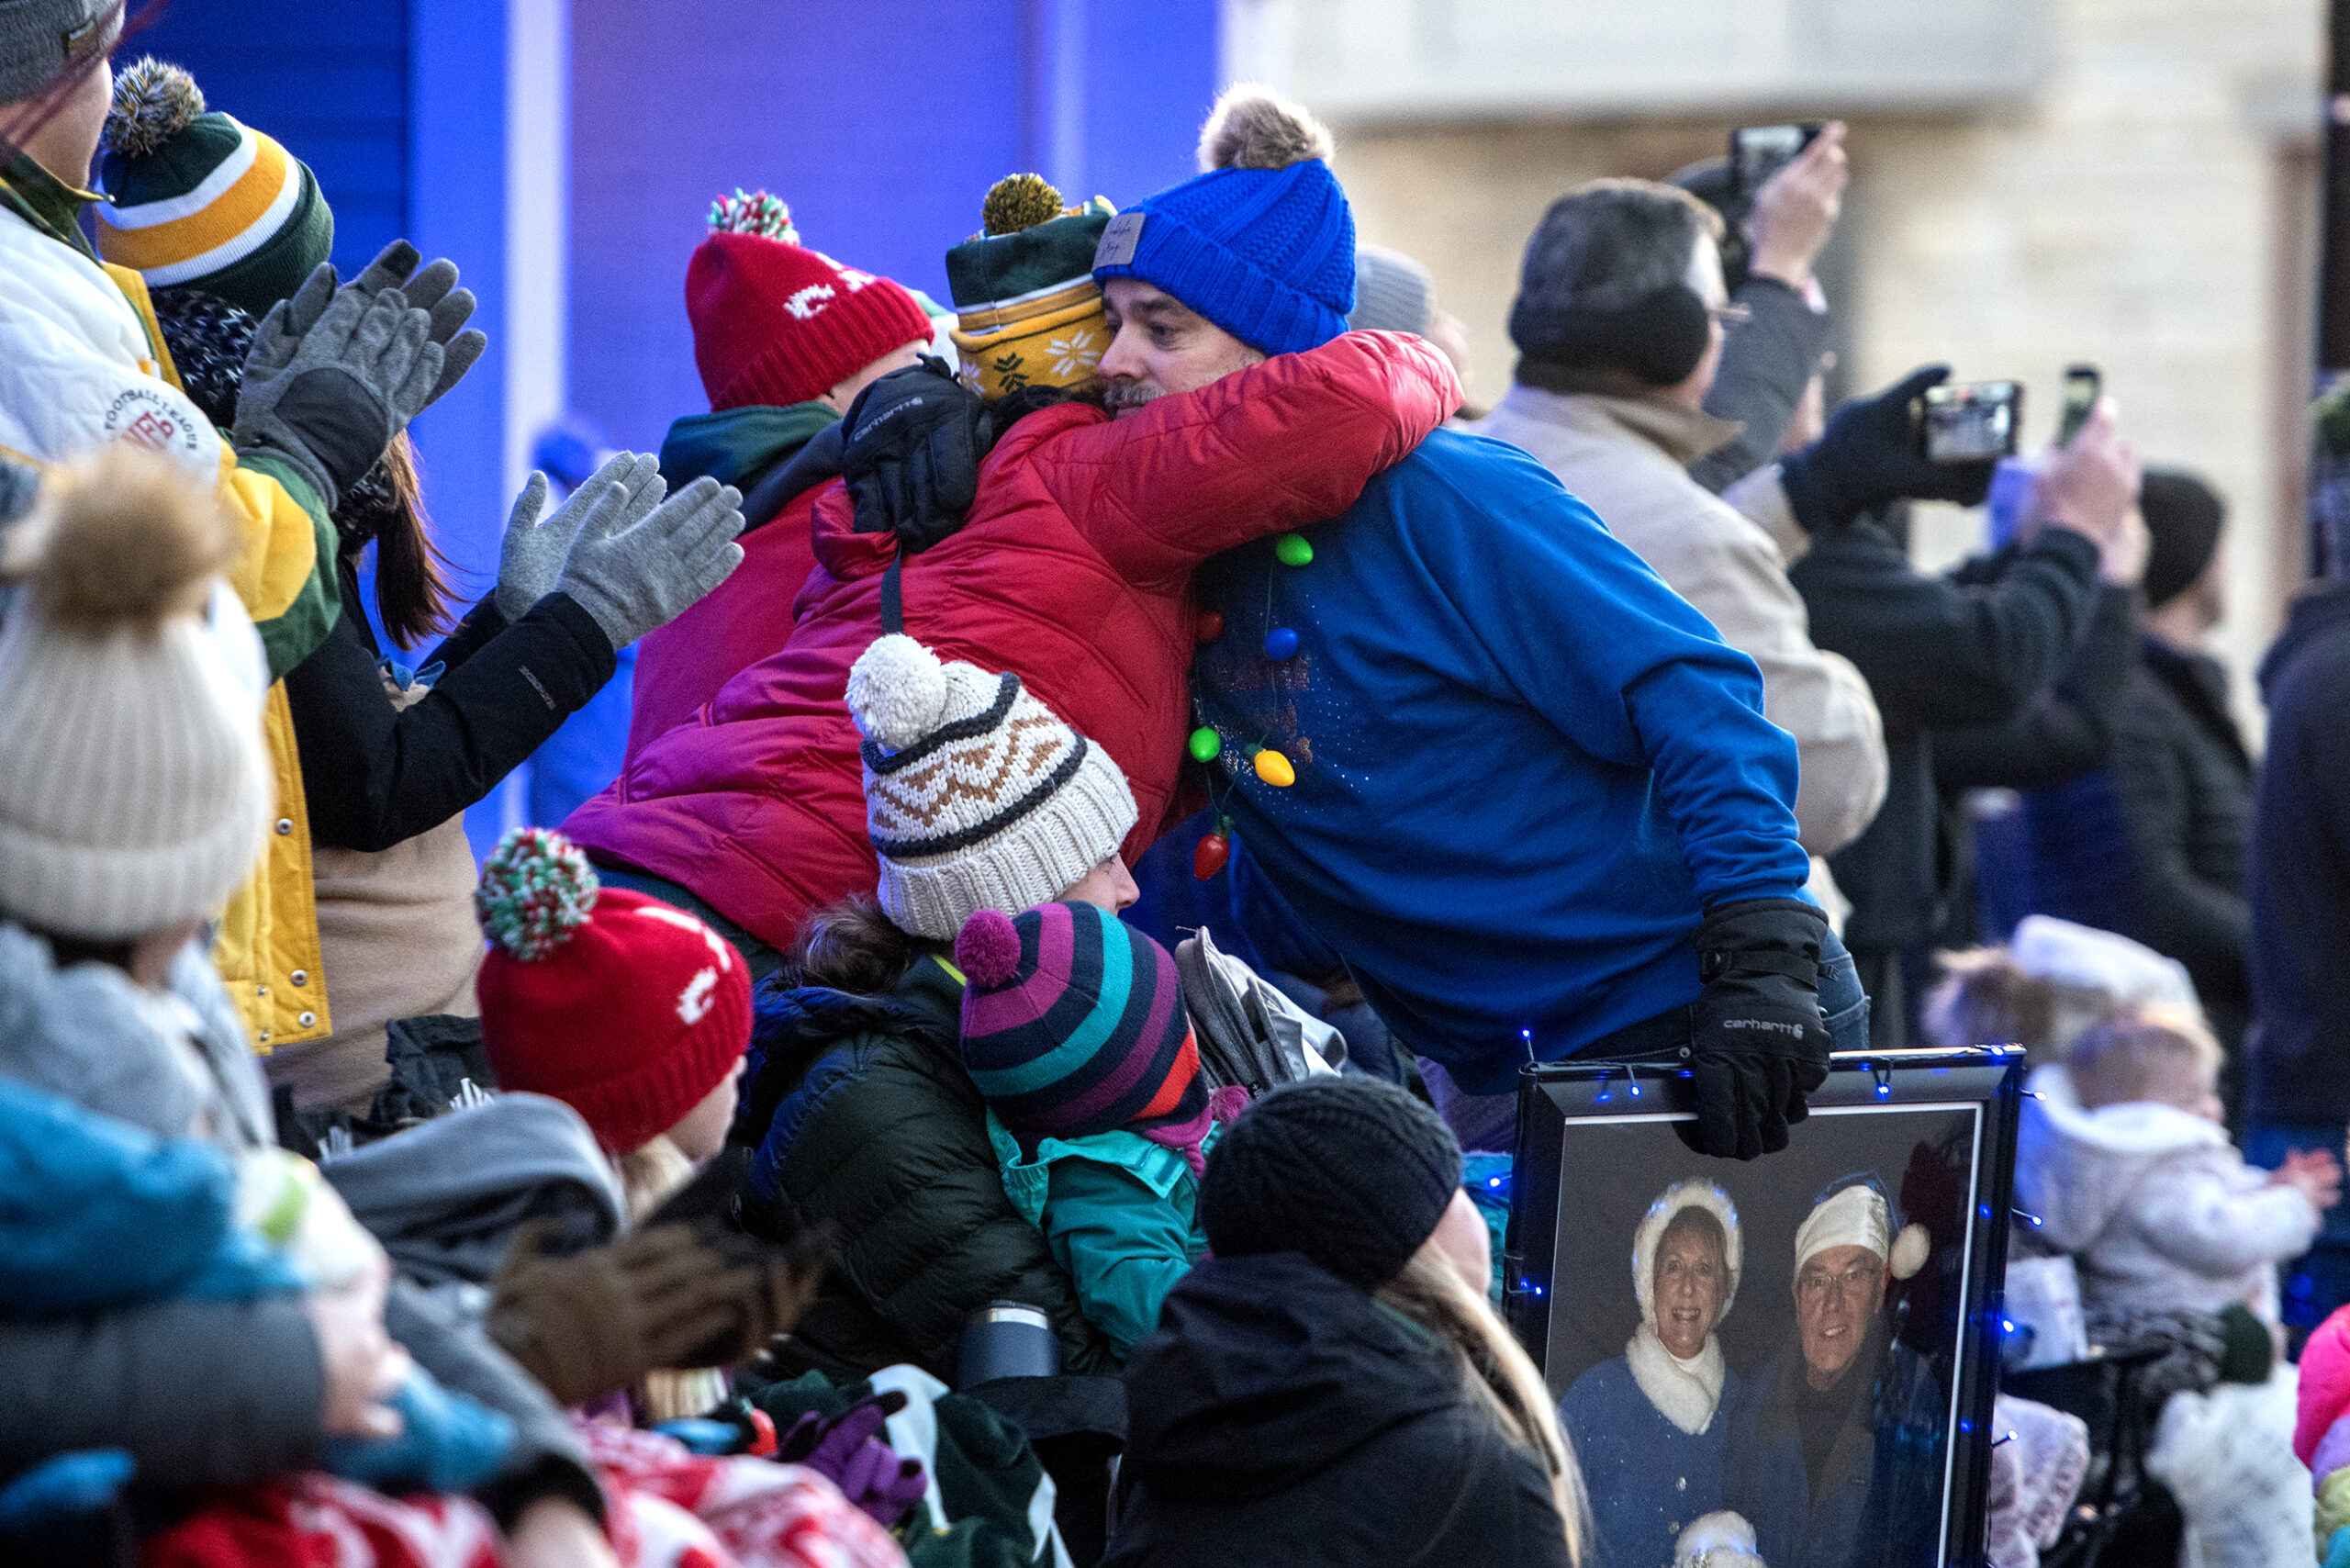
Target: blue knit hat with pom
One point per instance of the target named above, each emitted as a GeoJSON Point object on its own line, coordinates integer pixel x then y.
{"type": "Point", "coordinates": [1262, 244]}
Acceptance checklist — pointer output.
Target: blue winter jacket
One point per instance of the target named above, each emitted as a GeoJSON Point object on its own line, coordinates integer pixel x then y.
{"type": "Point", "coordinates": [1523, 765]}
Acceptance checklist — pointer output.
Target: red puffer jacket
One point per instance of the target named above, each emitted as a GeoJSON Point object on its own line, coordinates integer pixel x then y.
{"type": "Point", "coordinates": [681, 665]}
{"type": "Point", "coordinates": [1073, 569]}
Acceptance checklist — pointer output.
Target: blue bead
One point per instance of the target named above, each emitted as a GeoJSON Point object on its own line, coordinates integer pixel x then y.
{"type": "Point", "coordinates": [1279, 643]}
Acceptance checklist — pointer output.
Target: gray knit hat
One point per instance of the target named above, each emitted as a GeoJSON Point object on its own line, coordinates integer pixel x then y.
{"type": "Point", "coordinates": [1351, 1171]}
{"type": "Point", "coordinates": [1393, 292]}
{"type": "Point", "coordinates": [40, 40]}
{"type": "Point", "coordinates": [977, 797]}
{"type": "Point", "coordinates": [134, 787]}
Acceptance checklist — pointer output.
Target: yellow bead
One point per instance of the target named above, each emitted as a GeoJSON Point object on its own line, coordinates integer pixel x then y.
{"type": "Point", "coordinates": [1275, 770]}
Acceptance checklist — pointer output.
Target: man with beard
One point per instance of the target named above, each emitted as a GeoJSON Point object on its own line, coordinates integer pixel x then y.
{"type": "Point", "coordinates": [1521, 786]}
{"type": "Point", "coordinates": [1835, 1452]}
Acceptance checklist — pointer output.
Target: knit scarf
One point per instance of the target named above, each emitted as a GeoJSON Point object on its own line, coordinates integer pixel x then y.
{"type": "Point", "coordinates": [1684, 1393]}
{"type": "Point", "coordinates": [1185, 1137]}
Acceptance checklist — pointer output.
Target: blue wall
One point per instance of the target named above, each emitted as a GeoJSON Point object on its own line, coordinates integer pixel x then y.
{"type": "Point", "coordinates": [330, 80]}
{"type": "Point", "coordinates": [882, 124]}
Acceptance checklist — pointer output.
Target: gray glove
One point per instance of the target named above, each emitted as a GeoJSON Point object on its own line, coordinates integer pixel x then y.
{"type": "Point", "coordinates": [535, 551]}
{"type": "Point", "coordinates": [354, 381]}
{"type": "Point", "coordinates": [633, 577]}
{"type": "Point", "coordinates": [433, 290]}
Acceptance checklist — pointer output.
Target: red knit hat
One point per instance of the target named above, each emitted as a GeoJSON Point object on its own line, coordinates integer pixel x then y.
{"type": "Point", "coordinates": [777, 323]}
{"type": "Point", "coordinates": [627, 1009]}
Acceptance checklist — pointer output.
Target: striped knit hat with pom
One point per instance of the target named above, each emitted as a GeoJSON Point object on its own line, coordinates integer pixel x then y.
{"type": "Point", "coordinates": [1073, 1023]}
{"type": "Point", "coordinates": [976, 796]}
{"type": "Point", "coordinates": [627, 1009]}
{"type": "Point", "coordinates": [1030, 313]}
{"type": "Point", "coordinates": [197, 200]}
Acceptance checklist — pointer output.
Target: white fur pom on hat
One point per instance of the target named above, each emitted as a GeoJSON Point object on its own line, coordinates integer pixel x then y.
{"type": "Point", "coordinates": [1858, 1216]}
{"type": "Point", "coordinates": [1252, 126]}
{"type": "Point", "coordinates": [134, 787]}
{"type": "Point", "coordinates": [1694, 1192]}
{"type": "Point", "coordinates": [975, 795]}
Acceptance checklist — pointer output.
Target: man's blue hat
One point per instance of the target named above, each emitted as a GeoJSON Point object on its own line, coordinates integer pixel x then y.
{"type": "Point", "coordinates": [1262, 244]}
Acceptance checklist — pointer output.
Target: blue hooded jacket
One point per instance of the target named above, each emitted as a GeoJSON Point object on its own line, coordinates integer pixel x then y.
{"type": "Point", "coordinates": [1523, 765]}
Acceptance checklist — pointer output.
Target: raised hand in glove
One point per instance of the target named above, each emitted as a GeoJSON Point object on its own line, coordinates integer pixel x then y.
{"type": "Point", "coordinates": [598, 1321]}
{"type": "Point", "coordinates": [352, 383]}
{"type": "Point", "coordinates": [634, 575]}
{"type": "Point", "coordinates": [1759, 1044]}
{"type": "Point", "coordinates": [433, 290]}
{"type": "Point", "coordinates": [623, 491]}
{"type": "Point", "coordinates": [848, 1451]}
{"type": "Point", "coordinates": [911, 457]}
{"type": "Point", "coordinates": [1869, 454]}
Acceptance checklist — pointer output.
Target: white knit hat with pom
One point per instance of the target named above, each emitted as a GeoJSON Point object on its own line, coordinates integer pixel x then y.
{"type": "Point", "coordinates": [134, 787]}
{"type": "Point", "coordinates": [976, 796]}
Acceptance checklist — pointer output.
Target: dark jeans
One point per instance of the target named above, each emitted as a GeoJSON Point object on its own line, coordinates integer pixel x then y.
{"type": "Point", "coordinates": [2318, 1282]}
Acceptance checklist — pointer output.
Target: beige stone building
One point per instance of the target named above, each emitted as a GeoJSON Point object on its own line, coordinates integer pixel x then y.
{"type": "Point", "coordinates": [2128, 182]}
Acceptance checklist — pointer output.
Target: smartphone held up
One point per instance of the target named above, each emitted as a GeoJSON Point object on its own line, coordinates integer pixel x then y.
{"type": "Point", "coordinates": [1759, 151]}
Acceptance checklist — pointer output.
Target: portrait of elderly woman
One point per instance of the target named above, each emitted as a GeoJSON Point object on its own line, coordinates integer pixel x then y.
{"type": "Point", "coordinates": [1650, 1426]}
{"type": "Point", "coordinates": [1836, 1443]}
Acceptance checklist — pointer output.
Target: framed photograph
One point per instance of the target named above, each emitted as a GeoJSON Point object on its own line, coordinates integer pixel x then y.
{"type": "Point", "coordinates": [1808, 1340]}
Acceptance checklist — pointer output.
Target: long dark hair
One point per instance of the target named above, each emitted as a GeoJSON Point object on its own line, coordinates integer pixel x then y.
{"type": "Point", "coordinates": [412, 592]}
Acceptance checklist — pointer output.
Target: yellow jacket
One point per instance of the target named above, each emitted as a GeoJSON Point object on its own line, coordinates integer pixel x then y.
{"type": "Point", "coordinates": [82, 362]}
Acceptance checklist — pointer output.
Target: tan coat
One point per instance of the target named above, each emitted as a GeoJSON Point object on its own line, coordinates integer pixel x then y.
{"type": "Point", "coordinates": [1626, 458]}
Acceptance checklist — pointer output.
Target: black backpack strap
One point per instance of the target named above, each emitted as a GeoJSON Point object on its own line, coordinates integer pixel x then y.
{"type": "Point", "coordinates": [893, 600]}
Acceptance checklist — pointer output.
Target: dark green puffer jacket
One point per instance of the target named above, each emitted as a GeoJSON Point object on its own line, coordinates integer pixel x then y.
{"type": "Point", "coordinates": [863, 1116]}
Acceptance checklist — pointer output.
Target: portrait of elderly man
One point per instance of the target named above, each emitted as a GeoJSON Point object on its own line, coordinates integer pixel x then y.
{"type": "Point", "coordinates": [1650, 1426]}
{"type": "Point", "coordinates": [1836, 1445]}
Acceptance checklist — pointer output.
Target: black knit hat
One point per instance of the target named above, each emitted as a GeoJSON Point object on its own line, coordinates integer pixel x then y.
{"type": "Point", "coordinates": [2183, 520]}
{"type": "Point", "coordinates": [1351, 1171]}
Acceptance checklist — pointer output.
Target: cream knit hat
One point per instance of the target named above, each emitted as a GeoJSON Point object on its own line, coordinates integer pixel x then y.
{"type": "Point", "coordinates": [134, 787]}
{"type": "Point", "coordinates": [976, 796]}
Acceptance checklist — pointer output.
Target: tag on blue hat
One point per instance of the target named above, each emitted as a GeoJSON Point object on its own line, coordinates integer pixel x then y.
{"type": "Point", "coordinates": [1118, 240]}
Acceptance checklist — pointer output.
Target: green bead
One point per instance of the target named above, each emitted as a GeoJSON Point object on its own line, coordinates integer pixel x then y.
{"type": "Point", "coordinates": [1206, 745]}
{"type": "Point", "coordinates": [1291, 550]}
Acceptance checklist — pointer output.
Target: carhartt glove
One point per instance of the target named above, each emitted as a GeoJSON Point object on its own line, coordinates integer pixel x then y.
{"type": "Point", "coordinates": [633, 576]}
{"type": "Point", "coordinates": [433, 290]}
{"type": "Point", "coordinates": [1869, 454]}
{"type": "Point", "coordinates": [354, 381]}
{"type": "Point", "coordinates": [629, 485]}
{"type": "Point", "coordinates": [775, 1284]}
{"type": "Point", "coordinates": [1759, 1044]}
{"type": "Point", "coordinates": [848, 1451]}
{"type": "Point", "coordinates": [598, 1321]}
{"type": "Point", "coordinates": [911, 459]}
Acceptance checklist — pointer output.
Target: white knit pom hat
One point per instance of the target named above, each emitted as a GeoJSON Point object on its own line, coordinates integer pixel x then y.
{"type": "Point", "coordinates": [134, 787]}
{"type": "Point", "coordinates": [976, 796]}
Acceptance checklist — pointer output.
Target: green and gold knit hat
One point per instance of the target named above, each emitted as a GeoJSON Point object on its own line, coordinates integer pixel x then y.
{"type": "Point", "coordinates": [197, 200]}
{"type": "Point", "coordinates": [1030, 311]}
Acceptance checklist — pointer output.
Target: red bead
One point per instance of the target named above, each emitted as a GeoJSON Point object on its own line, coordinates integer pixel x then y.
{"type": "Point", "coordinates": [1210, 856]}
{"type": "Point", "coordinates": [1209, 627]}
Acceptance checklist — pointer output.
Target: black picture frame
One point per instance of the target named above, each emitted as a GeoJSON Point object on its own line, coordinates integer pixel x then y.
{"type": "Point", "coordinates": [1648, 1114]}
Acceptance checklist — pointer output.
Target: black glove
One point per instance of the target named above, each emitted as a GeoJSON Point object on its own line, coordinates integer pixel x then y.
{"type": "Point", "coordinates": [1759, 1045]}
{"type": "Point", "coordinates": [1869, 454]}
{"type": "Point", "coordinates": [915, 438]}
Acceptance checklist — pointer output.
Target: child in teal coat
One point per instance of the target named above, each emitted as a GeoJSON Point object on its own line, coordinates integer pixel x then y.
{"type": "Point", "coordinates": [1075, 1031]}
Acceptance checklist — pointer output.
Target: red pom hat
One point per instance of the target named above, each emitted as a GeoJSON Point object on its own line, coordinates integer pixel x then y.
{"type": "Point", "coordinates": [777, 323]}
{"type": "Point", "coordinates": [627, 1009]}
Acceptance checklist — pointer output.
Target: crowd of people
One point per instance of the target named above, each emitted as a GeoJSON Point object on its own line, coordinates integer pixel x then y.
{"type": "Point", "coordinates": [647, 1194]}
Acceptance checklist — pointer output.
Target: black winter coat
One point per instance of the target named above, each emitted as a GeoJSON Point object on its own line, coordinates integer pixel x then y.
{"type": "Point", "coordinates": [1972, 647]}
{"type": "Point", "coordinates": [1281, 1416]}
{"type": "Point", "coordinates": [863, 1116]}
{"type": "Point", "coordinates": [375, 776]}
{"type": "Point", "coordinates": [2299, 883]}
{"type": "Point", "coordinates": [2154, 845]}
